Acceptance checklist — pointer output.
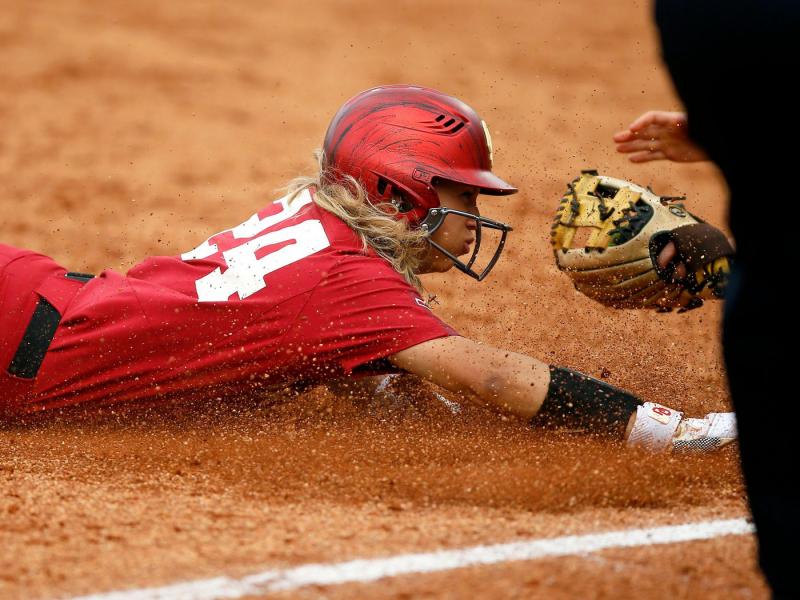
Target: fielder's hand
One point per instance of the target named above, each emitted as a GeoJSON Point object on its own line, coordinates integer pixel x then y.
{"type": "Point", "coordinates": [659, 135]}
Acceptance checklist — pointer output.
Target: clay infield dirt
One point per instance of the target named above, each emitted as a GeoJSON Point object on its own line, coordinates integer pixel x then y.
{"type": "Point", "coordinates": [136, 128]}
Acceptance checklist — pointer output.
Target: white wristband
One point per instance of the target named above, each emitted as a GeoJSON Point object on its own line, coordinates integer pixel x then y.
{"type": "Point", "coordinates": [654, 427]}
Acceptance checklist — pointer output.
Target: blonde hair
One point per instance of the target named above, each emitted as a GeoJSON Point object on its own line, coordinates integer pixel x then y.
{"type": "Point", "coordinates": [377, 226]}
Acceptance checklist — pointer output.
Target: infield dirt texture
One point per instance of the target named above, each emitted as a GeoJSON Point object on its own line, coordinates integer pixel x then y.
{"type": "Point", "coordinates": [136, 128]}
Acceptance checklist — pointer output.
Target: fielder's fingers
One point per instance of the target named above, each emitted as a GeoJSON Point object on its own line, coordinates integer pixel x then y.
{"type": "Point", "coordinates": [651, 131]}
{"type": "Point", "coordinates": [639, 145]}
{"type": "Point", "coordinates": [646, 156]}
{"type": "Point", "coordinates": [648, 118]}
{"type": "Point", "coordinates": [670, 119]}
{"type": "Point", "coordinates": [624, 136]}
{"type": "Point", "coordinates": [665, 131]}
{"type": "Point", "coordinates": [666, 255]}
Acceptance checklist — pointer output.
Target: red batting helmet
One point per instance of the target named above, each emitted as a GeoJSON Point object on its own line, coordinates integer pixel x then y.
{"type": "Point", "coordinates": [400, 139]}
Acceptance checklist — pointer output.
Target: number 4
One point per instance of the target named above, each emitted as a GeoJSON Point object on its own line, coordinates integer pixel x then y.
{"type": "Point", "coordinates": [245, 273]}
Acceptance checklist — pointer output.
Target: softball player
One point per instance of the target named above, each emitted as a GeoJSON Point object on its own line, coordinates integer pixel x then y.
{"type": "Point", "coordinates": [317, 286]}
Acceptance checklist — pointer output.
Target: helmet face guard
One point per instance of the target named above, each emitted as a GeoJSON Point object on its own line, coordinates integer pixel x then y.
{"type": "Point", "coordinates": [436, 217]}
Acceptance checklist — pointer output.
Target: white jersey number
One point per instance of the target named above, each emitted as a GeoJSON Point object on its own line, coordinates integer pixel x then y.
{"type": "Point", "coordinates": [245, 273]}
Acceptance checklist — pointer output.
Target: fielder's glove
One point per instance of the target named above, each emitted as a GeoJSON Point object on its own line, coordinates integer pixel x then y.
{"type": "Point", "coordinates": [608, 233]}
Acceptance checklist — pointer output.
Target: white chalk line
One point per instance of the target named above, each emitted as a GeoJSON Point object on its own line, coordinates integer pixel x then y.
{"type": "Point", "coordinates": [372, 569]}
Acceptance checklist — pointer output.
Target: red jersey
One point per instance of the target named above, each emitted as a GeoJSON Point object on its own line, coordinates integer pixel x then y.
{"type": "Point", "coordinates": [288, 295]}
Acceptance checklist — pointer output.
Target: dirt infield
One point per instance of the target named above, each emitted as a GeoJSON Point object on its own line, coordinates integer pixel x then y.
{"type": "Point", "coordinates": [131, 129]}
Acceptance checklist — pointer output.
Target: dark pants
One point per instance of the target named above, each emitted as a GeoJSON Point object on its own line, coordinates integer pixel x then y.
{"type": "Point", "coordinates": [732, 62]}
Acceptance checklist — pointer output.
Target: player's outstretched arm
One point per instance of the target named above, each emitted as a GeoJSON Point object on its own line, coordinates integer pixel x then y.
{"type": "Point", "coordinates": [551, 396]}
{"type": "Point", "coordinates": [659, 135]}
{"type": "Point", "coordinates": [510, 382]}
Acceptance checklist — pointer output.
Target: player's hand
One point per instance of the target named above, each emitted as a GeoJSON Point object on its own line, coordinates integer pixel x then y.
{"type": "Point", "coordinates": [659, 135]}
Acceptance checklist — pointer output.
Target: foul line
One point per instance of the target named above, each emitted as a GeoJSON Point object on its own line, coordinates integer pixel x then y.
{"type": "Point", "coordinates": [372, 569]}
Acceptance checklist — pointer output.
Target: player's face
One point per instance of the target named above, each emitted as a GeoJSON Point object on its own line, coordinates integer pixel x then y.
{"type": "Point", "coordinates": [456, 234]}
